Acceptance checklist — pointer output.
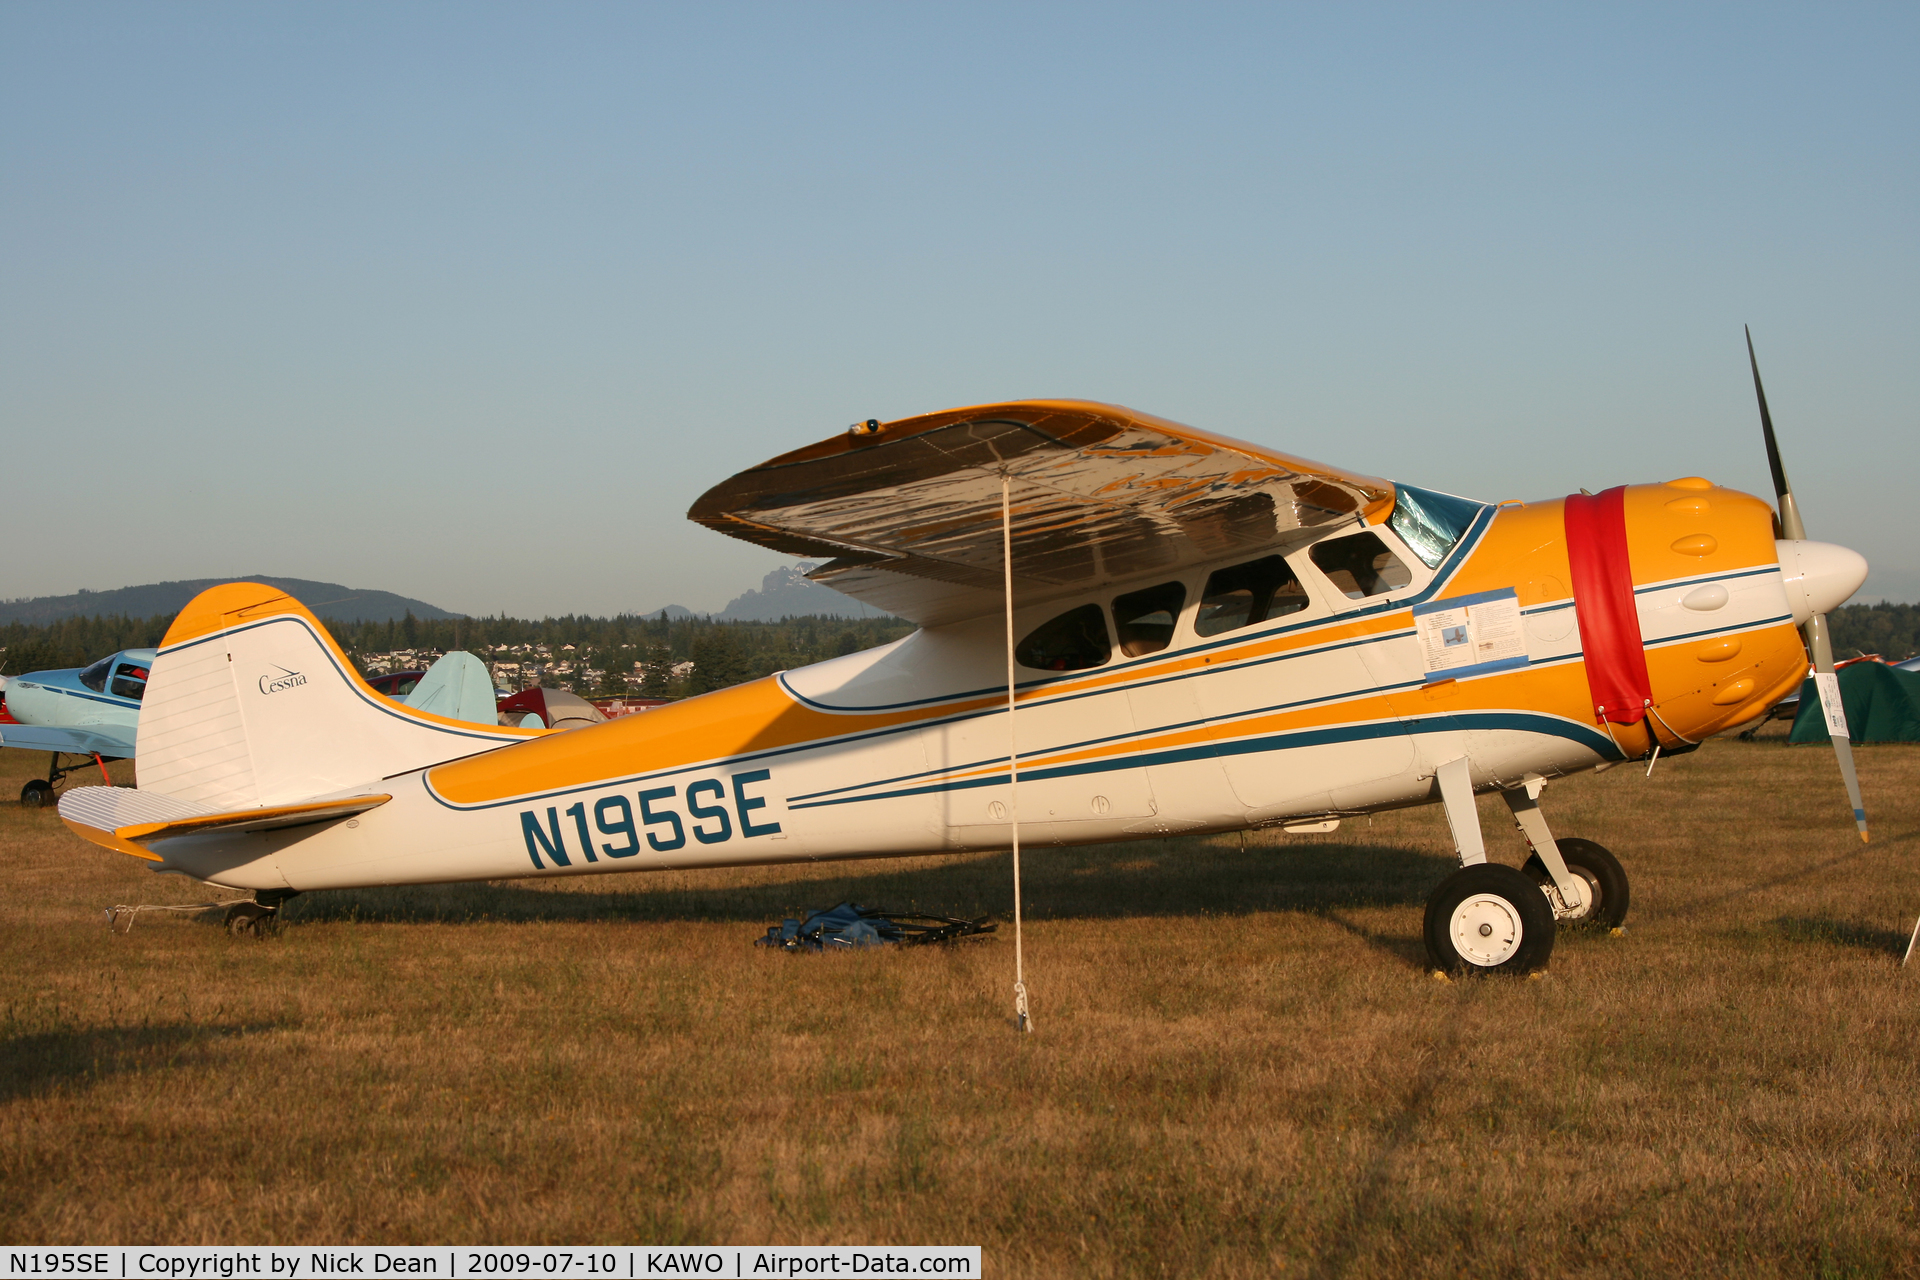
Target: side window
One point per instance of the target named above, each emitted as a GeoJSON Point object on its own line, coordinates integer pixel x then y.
{"type": "Point", "coordinates": [1144, 619]}
{"type": "Point", "coordinates": [1360, 565]}
{"type": "Point", "coordinates": [1248, 593]}
{"type": "Point", "coordinates": [130, 681]}
{"type": "Point", "coordinates": [95, 676]}
{"type": "Point", "coordinates": [1071, 642]}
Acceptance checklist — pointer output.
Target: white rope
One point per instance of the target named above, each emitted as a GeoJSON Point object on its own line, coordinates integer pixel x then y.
{"type": "Point", "coordinates": [1021, 1017]}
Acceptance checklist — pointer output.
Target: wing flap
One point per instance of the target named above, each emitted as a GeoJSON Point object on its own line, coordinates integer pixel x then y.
{"type": "Point", "coordinates": [911, 511]}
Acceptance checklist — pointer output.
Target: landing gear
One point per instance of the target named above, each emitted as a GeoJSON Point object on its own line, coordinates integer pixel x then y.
{"type": "Point", "coordinates": [1603, 885]}
{"type": "Point", "coordinates": [251, 920]}
{"type": "Point", "coordinates": [1488, 918]}
{"type": "Point", "coordinates": [259, 918]}
{"type": "Point", "coordinates": [1480, 920]}
{"type": "Point", "coordinates": [43, 793]}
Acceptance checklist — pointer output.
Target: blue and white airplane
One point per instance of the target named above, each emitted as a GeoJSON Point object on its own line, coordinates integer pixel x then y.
{"type": "Point", "coordinates": [91, 711]}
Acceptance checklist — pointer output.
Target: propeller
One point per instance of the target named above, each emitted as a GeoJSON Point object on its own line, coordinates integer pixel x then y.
{"type": "Point", "coordinates": [1819, 645]}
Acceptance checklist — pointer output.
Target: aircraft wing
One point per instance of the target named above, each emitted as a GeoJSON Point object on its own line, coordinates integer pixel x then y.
{"type": "Point", "coordinates": [103, 740]}
{"type": "Point", "coordinates": [910, 511]}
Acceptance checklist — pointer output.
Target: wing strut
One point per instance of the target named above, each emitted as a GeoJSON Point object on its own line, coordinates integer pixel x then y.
{"type": "Point", "coordinates": [1021, 1017]}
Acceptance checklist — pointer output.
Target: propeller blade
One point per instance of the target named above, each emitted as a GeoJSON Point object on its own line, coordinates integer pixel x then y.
{"type": "Point", "coordinates": [1791, 527]}
{"type": "Point", "coordinates": [1819, 647]}
{"type": "Point", "coordinates": [1828, 686]}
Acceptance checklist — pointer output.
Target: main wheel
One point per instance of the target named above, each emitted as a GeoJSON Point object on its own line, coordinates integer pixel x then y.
{"type": "Point", "coordinates": [1489, 918]}
{"type": "Point", "coordinates": [37, 794]}
{"type": "Point", "coordinates": [1606, 880]}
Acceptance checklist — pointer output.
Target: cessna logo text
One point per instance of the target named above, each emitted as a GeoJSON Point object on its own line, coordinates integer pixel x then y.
{"type": "Point", "coordinates": [285, 680]}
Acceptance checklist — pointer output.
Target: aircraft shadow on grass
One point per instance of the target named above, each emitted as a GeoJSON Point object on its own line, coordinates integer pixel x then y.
{"type": "Point", "coordinates": [33, 1064]}
{"type": "Point", "coordinates": [1147, 880]}
{"type": "Point", "coordinates": [1842, 933]}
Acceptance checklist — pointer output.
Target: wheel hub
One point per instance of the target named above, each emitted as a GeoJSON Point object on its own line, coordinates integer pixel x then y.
{"type": "Point", "coordinates": [1486, 930]}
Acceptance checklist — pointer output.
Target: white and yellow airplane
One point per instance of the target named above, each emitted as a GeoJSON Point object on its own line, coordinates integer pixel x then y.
{"type": "Point", "coordinates": [1209, 636]}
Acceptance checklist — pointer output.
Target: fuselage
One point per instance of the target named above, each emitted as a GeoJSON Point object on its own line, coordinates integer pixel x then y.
{"type": "Point", "coordinates": [104, 695]}
{"type": "Point", "coordinates": [1363, 667]}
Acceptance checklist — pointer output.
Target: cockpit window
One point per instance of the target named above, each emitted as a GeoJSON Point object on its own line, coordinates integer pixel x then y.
{"type": "Point", "coordinates": [95, 676]}
{"type": "Point", "coordinates": [1430, 523]}
{"type": "Point", "coordinates": [1075, 640]}
{"type": "Point", "coordinates": [1360, 565]}
{"type": "Point", "coordinates": [1144, 619]}
{"type": "Point", "coordinates": [130, 681]}
{"type": "Point", "coordinates": [1248, 593]}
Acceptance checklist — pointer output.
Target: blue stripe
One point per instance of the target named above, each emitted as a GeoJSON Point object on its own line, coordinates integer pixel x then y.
{"type": "Point", "coordinates": [1712, 577]}
{"type": "Point", "coordinates": [1525, 721]}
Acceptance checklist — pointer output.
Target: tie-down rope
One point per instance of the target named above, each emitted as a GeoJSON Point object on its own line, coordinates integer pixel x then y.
{"type": "Point", "coordinates": [1021, 1017]}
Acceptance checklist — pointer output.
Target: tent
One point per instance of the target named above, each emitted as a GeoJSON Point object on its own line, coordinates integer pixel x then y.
{"type": "Point", "coordinates": [554, 708]}
{"type": "Point", "coordinates": [1882, 702]}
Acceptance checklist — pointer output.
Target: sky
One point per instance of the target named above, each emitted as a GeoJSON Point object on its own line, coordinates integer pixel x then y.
{"type": "Point", "coordinates": [470, 302]}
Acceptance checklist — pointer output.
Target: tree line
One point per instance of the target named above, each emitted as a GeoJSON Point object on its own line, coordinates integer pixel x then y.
{"type": "Point", "coordinates": [722, 653]}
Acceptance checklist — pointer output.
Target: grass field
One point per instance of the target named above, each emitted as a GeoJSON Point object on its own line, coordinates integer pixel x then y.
{"type": "Point", "coordinates": [1241, 1065]}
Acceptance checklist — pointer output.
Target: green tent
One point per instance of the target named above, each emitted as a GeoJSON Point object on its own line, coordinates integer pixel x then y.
{"type": "Point", "coordinates": [1883, 705]}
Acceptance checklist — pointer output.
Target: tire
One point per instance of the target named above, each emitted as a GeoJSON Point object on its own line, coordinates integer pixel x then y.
{"type": "Point", "coordinates": [1607, 890]}
{"type": "Point", "coordinates": [250, 920]}
{"type": "Point", "coordinates": [37, 794]}
{"type": "Point", "coordinates": [1489, 918]}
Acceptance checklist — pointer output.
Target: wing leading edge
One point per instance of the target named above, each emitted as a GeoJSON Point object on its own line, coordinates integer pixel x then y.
{"type": "Point", "coordinates": [909, 512]}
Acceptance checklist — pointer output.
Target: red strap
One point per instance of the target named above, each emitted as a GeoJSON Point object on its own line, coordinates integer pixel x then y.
{"type": "Point", "coordinates": [1603, 602]}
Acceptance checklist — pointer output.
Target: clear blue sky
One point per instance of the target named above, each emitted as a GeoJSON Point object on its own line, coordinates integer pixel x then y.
{"type": "Point", "coordinates": [470, 302]}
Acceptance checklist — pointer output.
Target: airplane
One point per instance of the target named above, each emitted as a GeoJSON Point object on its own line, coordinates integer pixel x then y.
{"type": "Point", "coordinates": [1128, 629]}
{"type": "Point", "coordinates": [90, 711]}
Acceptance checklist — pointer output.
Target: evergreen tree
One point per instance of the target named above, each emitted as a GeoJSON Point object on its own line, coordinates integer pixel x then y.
{"type": "Point", "coordinates": [718, 661]}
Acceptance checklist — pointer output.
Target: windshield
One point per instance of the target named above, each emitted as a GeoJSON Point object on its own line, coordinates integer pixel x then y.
{"type": "Point", "coordinates": [95, 676]}
{"type": "Point", "coordinates": [1430, 523]}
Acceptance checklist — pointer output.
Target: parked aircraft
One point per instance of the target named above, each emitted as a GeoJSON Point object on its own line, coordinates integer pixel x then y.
{"type": "Point", "coordinates": [1128, 628]}
{"type": "Point", "coordinates": [90, 712]}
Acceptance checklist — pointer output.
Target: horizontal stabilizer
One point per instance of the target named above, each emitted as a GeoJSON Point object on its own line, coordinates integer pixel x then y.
{"type": "Point", "coordinates": [119, 817]}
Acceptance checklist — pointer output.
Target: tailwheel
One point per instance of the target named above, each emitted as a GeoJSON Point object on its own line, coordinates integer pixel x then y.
{"type": "Point", "coordinates": [251, 920]}
{"type": "Point", "coordinates": [1601, 873]}
{"type": "Point", "coordinates": [1489, 918]}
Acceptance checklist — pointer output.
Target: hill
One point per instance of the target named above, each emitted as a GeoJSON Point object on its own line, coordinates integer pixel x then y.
{"type": "Point", "coordinates": [327, 599]}
{"type": "Point", "coordinates": [784, 593]}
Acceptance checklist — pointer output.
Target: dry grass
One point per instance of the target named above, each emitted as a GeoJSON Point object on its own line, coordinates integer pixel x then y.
{"type": "Point", "coordinates": [1241, 1067]}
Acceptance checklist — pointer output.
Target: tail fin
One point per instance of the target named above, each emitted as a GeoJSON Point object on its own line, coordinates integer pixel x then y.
{"type": "Point", "coordinates": [456, 686]}
{"type": "Point", "coordinates": [251, 703]}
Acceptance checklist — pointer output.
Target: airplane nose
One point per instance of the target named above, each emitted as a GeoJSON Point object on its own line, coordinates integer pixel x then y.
{"type": "Point", "coordinates": [1819, 576]}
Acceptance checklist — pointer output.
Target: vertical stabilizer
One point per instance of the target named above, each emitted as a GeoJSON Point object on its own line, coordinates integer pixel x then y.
{"type": "Point", "coordinates": [250, 702]}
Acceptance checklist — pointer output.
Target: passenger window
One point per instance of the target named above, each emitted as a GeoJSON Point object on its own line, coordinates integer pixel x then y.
{"type": "Point", "coordinates": [1248, 593]}
{"type": "Point", "coordinates": [1075, 640]}
{"type": "Point", "coordinates": [1144, 619]}
{"type": "Point", "coordinates": [95, 676]}
{"type": "Point", "coordinates": [1360, 565]}
{"type": "Point", "coordinates": [130, 681]}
